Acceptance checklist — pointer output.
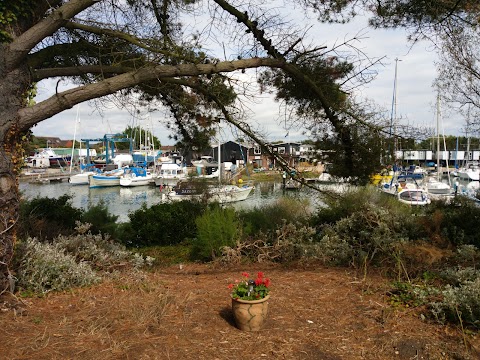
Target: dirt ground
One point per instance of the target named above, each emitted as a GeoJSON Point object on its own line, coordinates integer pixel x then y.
{"type": "Point", "coordinates": [173, 313]}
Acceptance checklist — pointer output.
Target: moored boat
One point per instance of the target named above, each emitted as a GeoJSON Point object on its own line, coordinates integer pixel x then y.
{"type": "Point", "coordinates": [414, 197]}
{"type": "Point", "coordinates": [170, 174]}
{"type": "Point", "coordinates": [136, 176]}
{"type": "Point", "coordinates": [108, 178]}
{"type": "Point", "coordinates": [220, 193]}
{"type": "Point", "coordinates": [437, 187]}
{"type": "Point", "coordinates": [470, 172]}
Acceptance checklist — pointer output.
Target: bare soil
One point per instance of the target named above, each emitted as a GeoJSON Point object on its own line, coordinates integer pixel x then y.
{"type": "Point", "coordinates": [173, 313]}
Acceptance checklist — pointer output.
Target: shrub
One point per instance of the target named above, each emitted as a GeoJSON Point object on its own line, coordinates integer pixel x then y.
{"type": "Point", "coordinates": [98, 250]}
{"type": "Point", "coordinates": [42, 267]}
{"type": "Point", "coordinates": [367, 235]}
{"type": "Point", "coordinates": [339, 206]}
{"type": "Point", "coordinates": [268, 218]}
{"type": "Point", "coordinates": [459, 221]}
{"type": "Point", "coordinates": [216, 228]}
{"type": "Point", "coordinates": [162, 224]}
{"type": "Point", "coordinates": [71, 261]}
{"type": "Point", "coordinates": [460, 304]}
{"type": "Point", "coordinates": [46, 218]}
{"type": "Point", "coordinates": [101, 220]}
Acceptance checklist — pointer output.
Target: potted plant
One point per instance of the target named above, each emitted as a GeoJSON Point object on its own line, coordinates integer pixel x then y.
{"type": "Point", "coordinates": [250, 301]}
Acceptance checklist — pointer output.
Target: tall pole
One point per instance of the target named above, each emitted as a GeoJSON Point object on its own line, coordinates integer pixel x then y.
{"type": "Point", "coordinates": [393, 118]}
{"type": "Point", "coordinates": [438, 136]}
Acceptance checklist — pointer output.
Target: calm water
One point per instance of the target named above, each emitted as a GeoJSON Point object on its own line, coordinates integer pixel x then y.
{"type": "Point", "coordinates": [120, 200]}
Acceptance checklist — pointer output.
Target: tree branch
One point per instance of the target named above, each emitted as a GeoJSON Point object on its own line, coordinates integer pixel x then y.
{"type": "Point", "coordinates": [69, 98]}
{"type": "Point", "coordinates": [22, 45]}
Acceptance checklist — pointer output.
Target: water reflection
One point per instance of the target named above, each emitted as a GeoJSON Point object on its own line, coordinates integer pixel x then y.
{"type": "Point", "coordinates": [120, 201]}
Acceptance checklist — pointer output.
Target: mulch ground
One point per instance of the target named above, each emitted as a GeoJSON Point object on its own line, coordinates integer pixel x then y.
{"type": "Point", "coordinates": [173, 313]}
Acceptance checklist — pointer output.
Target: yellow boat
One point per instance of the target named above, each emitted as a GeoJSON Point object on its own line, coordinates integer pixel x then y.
{"type": "Point", "coordinates": [383, 176]}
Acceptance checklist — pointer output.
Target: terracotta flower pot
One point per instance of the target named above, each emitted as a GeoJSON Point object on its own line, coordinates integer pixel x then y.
{"type": "Point", "coordinates": [250, 314]}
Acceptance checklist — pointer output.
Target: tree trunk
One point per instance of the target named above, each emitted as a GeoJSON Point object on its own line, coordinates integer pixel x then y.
{"type": "Point", "coordinates": [13, 89]}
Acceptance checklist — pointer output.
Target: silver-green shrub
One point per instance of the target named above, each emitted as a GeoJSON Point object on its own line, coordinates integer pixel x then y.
{"type": "Point", "coordinates": [362, 237]}
{"type": "Point", "coordinates": [71, 261]}
{"type": "Point", "coordinates": [43, 268]}
{"type": "Point", "coordinates": [98, 250]}
{"type": "Point", "coordinates": [459, 304]}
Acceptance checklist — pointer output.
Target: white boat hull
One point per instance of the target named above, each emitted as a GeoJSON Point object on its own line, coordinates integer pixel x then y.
{"type": "Point", "coordinates": [414, 197]}
{"type": "Point", "coordinates": [136, 181]}
{"type": "Point", "coordinates": [95, 181]}
{"type": "Point", "coordinates": [470, 175]}
{"type": "Point", "coordinates": [438, 188]}
{"type": "Point", "coordinates": [80, 179]}
{"type": "Point", "coordinates": [223, 194]}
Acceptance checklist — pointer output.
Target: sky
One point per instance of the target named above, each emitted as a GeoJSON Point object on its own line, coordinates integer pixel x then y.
{"type": "Point", "coordinates": [415, 105]}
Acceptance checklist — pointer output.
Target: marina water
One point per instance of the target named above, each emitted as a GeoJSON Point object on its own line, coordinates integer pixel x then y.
{"type": "Point", "coordinates": [121, 201]}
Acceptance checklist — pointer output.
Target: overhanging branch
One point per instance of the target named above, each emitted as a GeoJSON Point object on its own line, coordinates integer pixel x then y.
{"type": "Point", "coordinates": [69, 98]}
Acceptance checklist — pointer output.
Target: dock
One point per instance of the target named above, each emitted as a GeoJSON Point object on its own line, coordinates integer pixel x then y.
{"type": "Point", "coordinates": [45, 176]}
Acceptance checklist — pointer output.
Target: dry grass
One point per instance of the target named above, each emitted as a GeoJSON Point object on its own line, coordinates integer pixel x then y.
{"type": "Point", "coordinates": [174, 313]}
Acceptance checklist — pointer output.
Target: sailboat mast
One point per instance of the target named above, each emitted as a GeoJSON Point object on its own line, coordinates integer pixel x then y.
{"type": "Point", "coordinates": [393, 118]}
{"type": "Point", "coordinates": [438, 136]}
{"type": "Point", "coordinates": [77, 120]}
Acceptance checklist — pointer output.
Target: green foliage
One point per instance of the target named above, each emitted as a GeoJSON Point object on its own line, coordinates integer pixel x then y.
{"type": "Point", "coordinates": [11, 12]}
{"type": "Point", "coordinates": [43, 268]}
{"type": "Point", "coordinates": [100, 219]}
{"type": "Point", "coordinates": [162, 224]}
{"type": "Point", "coordinates": [457, 222]}
{"type": "Point", "coordinates": [403, 293]}
{"type": "Point", "coordinates": [249, 289]}
{"type": "Point", "coordinates": [340, 206]}
{"type": "Point", "coordinates": [46, 218]}
{"type": "Point", "coordinates": [459, 304]}
{"type": "Point", "coordinates": [268, 218]}
{"type": "Point", "coordinates": [216, 228]}
{"type": "Point", "coordinates": [71, 261]}
{"type": "Point", "coordinates": [365, 234]}
{"type": "Point", "coordinates": [137, 133]}
{"type": "Point", "coordinates": [364, 143]}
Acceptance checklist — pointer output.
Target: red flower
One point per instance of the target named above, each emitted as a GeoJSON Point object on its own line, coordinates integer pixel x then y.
{"type": "Point", "coordinates": [266, 282]}
{"type": "Point", "coordinates": [245, 274]}
{"type": "Point", "coordinates": [260, 275]}
{"type": "Point", "coordinates": [258, 281]}
{"type": "Point", "coordinates": [231, 286]}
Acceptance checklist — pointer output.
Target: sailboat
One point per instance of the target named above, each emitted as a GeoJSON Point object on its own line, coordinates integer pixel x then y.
{"type": "Point", "coordinates": [198, 190]}
{"type": "Point", "coordinates": [403, 185]}
{"type": "Point", "coordinates": [85, 169]}
{"type": "Point", "coordinates": [470, 170]}
{"type": "Point", "coordinates": [434, 184]}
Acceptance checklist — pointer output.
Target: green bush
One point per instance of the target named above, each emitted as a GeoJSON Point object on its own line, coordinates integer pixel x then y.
{"type": "Point", "coordinates": [268, 218]}
{"type": "Point", "coordinates": [366, 236]}
{"type": "Point", "coordinates": [458, 223]}
{"type": "Point", "coordinates": [460, 304]}
{"type": "Point", "coordinates": [42, 267]}
{"type": "Point", "coordinates": [71, 261]}
{"type": "Point", "coordinates": [162, 224]}
{"type": "Point", "coordinates": [46, 218]}
{"type": "Point", "coordinates": [101, 220]}
{"type": "Point", "coordinates": [216, 228]}
{"type": "Point", "coordinates": [339, 206]}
